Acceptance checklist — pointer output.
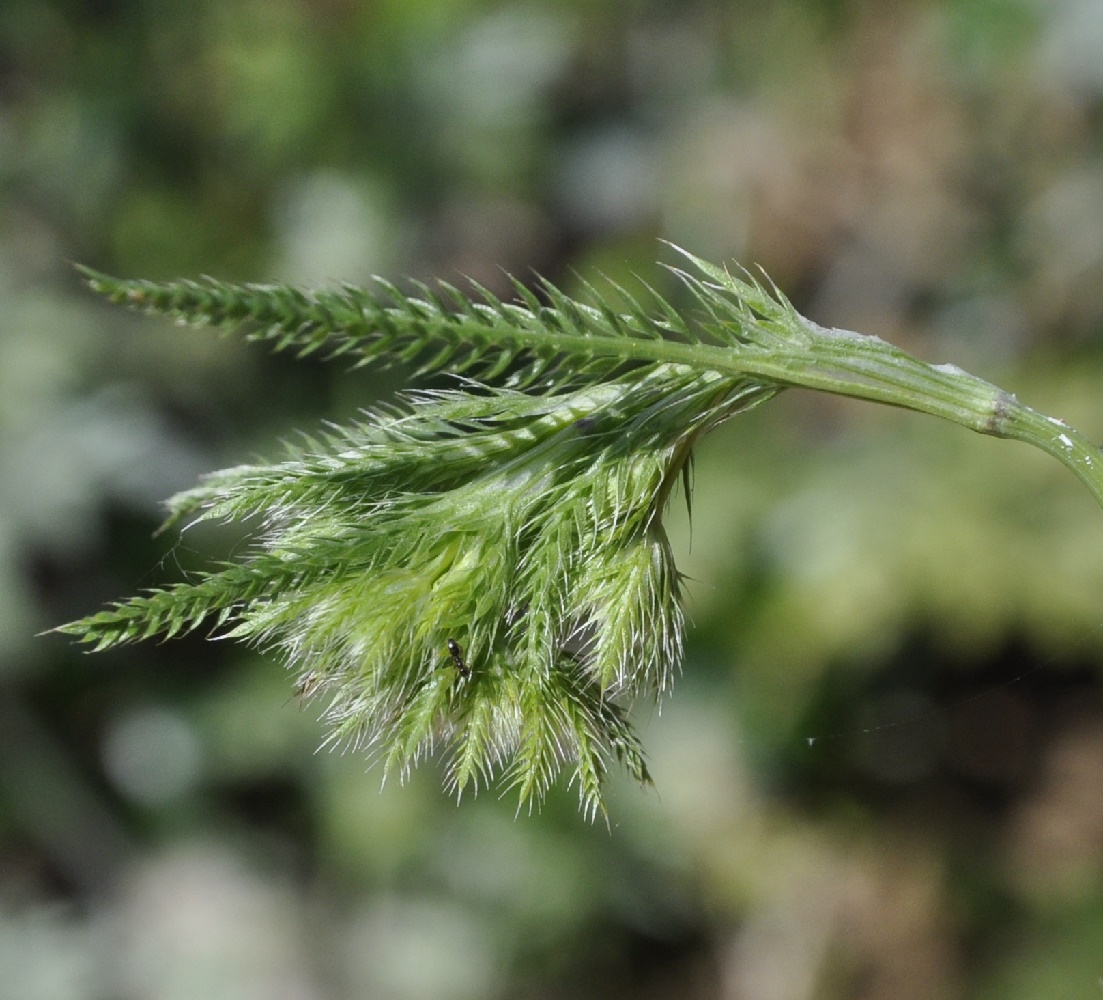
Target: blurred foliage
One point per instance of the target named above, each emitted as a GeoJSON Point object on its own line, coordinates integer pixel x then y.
{"type": "Point", "coordinates": [882, 775]}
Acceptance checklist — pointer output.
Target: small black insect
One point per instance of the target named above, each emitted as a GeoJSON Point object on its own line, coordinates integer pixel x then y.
{"type": "Point", "coordinates": [306, 686]}
{"type": "Point", "coordinates": [457, 658]}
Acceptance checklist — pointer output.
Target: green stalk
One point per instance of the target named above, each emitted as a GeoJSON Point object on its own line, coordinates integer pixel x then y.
{"type": "Point", "coordinates": [849, 364]}
{"type": "Point", "coordinates": [1056, 438]}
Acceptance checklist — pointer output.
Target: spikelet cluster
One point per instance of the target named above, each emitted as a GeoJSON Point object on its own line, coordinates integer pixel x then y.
{"type": "Point", "coordinates": [480, 573]}
{"type": "Point", "coordinates": [483, 572]}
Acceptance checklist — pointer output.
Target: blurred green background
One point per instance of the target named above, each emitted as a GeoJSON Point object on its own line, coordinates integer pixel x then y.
{"type": "Point", "coordinates": [881, 774]}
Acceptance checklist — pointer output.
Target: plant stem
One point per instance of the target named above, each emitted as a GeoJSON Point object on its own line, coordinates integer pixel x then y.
{"type": "Point", "coordinates": [1056, 438]}
{"type": "Point", "coordinates": [863, 367]}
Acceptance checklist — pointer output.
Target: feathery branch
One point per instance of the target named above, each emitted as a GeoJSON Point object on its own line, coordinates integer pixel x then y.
{"type": "Point", "coordinates": [484, 570]}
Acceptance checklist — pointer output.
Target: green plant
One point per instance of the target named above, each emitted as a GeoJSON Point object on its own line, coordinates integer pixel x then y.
{"type": "Point", "coordinates": [485, 569]}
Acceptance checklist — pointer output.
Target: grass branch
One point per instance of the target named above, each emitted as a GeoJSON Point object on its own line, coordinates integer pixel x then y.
{"type": "Point", "coordinates": [484, 570]}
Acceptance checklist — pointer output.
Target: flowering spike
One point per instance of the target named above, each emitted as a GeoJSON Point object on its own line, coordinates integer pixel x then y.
{"type": "Point", "coordinates": [484, 570]}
